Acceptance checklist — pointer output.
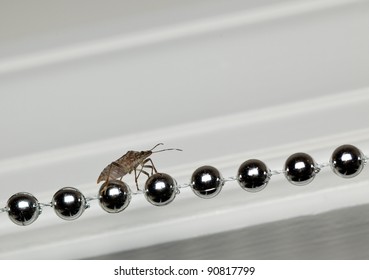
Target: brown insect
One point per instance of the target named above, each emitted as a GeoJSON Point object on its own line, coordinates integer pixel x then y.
{"type": "Point", "coordinates": [129, 162]}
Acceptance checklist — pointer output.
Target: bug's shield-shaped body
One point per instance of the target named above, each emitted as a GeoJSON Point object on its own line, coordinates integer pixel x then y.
{"type": "Point", "coordinates": [124, 165]}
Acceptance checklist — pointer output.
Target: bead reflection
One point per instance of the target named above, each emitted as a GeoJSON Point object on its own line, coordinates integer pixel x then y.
{"type": "Point", "coordinates": [160, 186]}
{"type": "Point", "coordinates": [206, 178]}
{"type": "Point", "coordinates": [346, 157]}
{"type": "Point", "coordinates": [69, 199]}
{"type": "Point", "coordinates": [300, 165]}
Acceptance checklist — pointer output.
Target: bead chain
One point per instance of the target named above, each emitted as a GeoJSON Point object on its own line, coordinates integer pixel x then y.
{"type": "Point", "coordinates": [353, 163]}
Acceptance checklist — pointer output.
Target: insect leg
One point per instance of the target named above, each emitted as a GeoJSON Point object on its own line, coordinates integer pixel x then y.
{"type": "Point", "coordinates": [144, 165]}
{"type": "Point", "coordinates": [138, 175]}
{"type": "Point", "coordinates": [151, 166]}
{"type": "Point", "coordinates": [136, 179]}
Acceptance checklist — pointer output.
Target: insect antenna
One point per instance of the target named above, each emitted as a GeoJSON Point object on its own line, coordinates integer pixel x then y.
{"type": "Point", "coordinates": [156, 146]}
{"type": "Point", "coordinates": [170, 149]}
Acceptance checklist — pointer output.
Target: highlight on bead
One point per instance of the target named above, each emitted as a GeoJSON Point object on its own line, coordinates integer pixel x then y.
{"type": "Point", "coordinates": [160, 189]}
{"type": "Point", "coordinates": [206, 181]}
{"type": "Point", "coordinates": [69, 203]}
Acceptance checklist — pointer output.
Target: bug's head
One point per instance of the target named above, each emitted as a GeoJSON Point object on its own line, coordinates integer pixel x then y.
{"type": "Point", "coordinates": [145, 154]}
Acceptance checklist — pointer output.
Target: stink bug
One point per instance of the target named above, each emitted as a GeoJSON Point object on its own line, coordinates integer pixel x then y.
{"type": "Point", "coordinates": [131, 161]}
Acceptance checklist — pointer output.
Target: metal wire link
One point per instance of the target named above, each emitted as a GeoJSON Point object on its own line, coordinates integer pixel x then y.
{"type": "Point", "coordinates": [230, 179]}
{"type": "Point", "coordinates": [366, 159]}
{"type": "Point", "coordinates": [276, 172]}
{"type": "Point", "coordinates": [91, 198]}
{"type": "Point", "coordinates": [46, 204]}
{"type": "Point", "coordinates": [324, 165]}
{"type": "Point", "coordinates": [183, 186]}
{"type": "Point", "coordinates": [138, 192]}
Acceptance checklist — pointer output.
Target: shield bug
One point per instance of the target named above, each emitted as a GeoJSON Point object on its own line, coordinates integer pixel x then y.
{"type": "Point", "coordinates": [131, 161]}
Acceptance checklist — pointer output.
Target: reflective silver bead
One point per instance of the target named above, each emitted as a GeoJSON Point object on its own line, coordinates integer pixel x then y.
{"type": "Point", "coordinates": [160, 189]}
{"type": "Point", "coordinates": [69, 203]}
{"type": "Point", "coordinates": [206, 181]}
{"type": "Point", "coordinates": [115, 196]}
{"type": "Point", "coordinates": [300, 169]}
{"type": "Point", "coordinates": [23, 209]}
{"type": "Point", "coordinates": [253, 175]}
{"type": "Point", "coordinates": [347, 161]}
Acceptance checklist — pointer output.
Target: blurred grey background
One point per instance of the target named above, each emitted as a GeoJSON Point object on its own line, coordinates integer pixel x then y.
{"type": "Point", "coordinates": [340, 235]}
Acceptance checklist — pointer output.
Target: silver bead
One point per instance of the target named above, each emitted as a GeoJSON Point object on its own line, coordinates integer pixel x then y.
{"type": "Point", "coordinates": [300, 169]}
{"type": "Point", "coordinates": [69, 203]}
{"type": "Point", "coordinates": [115, 196]}
{"type": "Point", "coordinates": [253, 175]}
{"type": "Point", "coordinates": [206, 182]}
{"type": "Point", "coordinates": [23, 209]}
{"type": "Point", "coordinates": [347, 161]}
{"type": "Point", "coordinates": [160, 189]}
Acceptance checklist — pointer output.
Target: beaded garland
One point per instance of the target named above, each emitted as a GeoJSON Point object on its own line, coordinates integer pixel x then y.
{"type": "Point", "coordinates": [160, 189]}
